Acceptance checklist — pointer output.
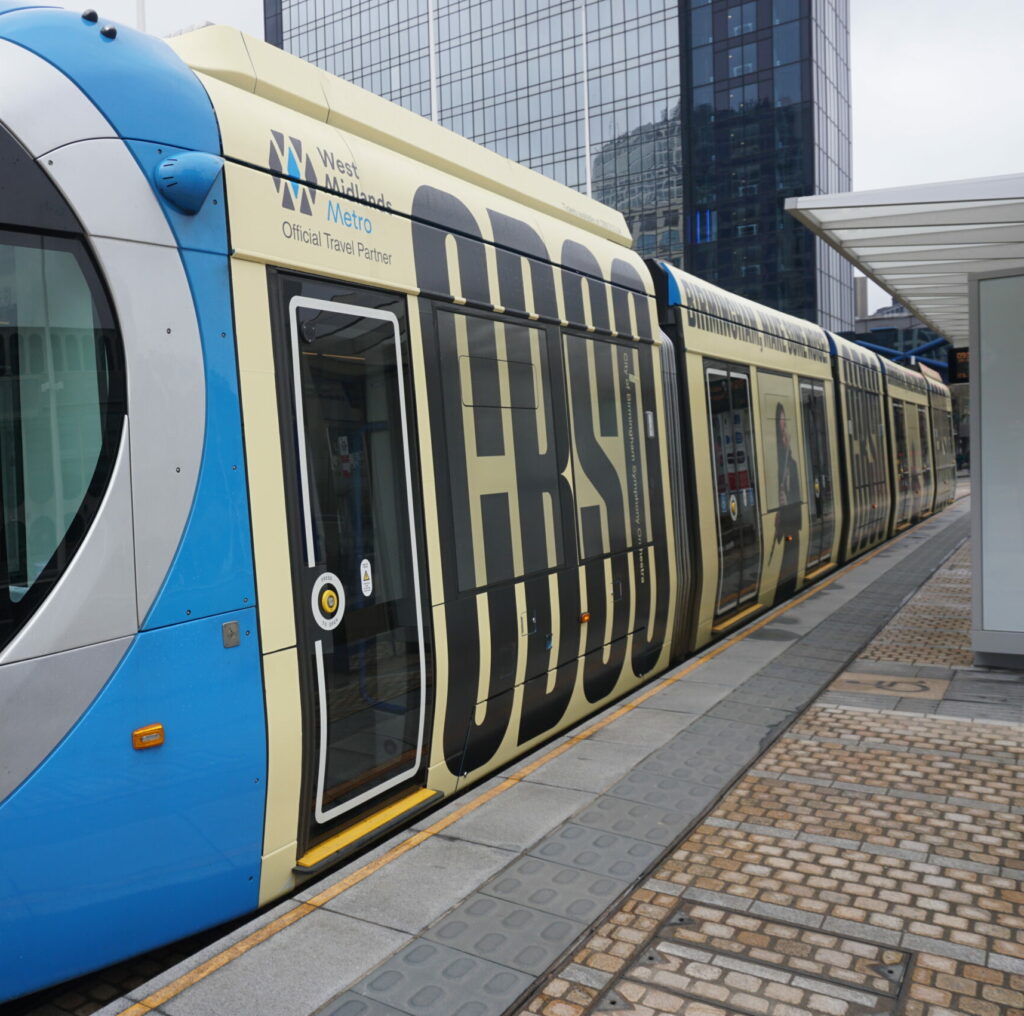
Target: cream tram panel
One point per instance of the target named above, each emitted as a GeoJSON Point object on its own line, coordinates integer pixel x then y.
{"type": "Point", "coordinates": [738, 342]}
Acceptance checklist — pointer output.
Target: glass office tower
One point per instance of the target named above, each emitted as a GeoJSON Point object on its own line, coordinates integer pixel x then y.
{"type": "Point", "coordinates": [695, 118]}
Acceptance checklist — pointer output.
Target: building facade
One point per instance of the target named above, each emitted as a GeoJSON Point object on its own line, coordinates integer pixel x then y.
{"type": "Point", "coordinates": [695, 118]}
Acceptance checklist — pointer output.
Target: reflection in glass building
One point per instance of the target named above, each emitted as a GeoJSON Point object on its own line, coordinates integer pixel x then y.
{"type": "Point", "coordinates": [695, 118]}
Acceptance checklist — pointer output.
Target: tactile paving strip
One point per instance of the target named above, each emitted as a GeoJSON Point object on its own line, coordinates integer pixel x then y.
{"type": "Point", "coordinates": [556, 889]}
{"type": "Point", "coordinates": [428, 979]}
{"type": "Point", "coordinates": [598, 851]}
{"type": "Point", "coordinates": [507, 933]}
{"type": "Point", "coordinates": [661, 791]}
{"type": "Point", "coordinates": [639, 821]}
{"type": "Point", "coordinates": [711, 764]}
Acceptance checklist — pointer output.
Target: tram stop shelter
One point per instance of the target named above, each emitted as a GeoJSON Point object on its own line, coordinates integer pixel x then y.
{"type": "Point", "coordinates": [953, 254]}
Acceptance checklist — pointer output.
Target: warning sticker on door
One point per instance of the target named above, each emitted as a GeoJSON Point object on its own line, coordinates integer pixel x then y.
{"type": "Point", "coordinates": [366, 577]}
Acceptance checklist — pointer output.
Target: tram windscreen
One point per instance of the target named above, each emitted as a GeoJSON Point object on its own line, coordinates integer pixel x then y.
{"type": "Point", "coordinates": [60, 407]}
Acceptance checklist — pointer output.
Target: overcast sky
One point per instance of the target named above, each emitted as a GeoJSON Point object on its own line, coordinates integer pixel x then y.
{"type": "Point", "coordinates": [936, 90]}
{"type": "Point", "coordinates": [936, 84]}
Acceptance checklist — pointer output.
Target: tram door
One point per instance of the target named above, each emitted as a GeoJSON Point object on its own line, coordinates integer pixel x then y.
{"type": "Point", "coordinates": [820, 498]}
{"type": "Point", "coordinates": [732, 441]}
{"type": "Point", "coordinates": [899, 428]}
{"type": "Point", "coordinates": [361, 641]}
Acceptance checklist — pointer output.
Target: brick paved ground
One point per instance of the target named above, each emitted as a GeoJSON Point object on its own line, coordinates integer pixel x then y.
{"type": "Point", "coordinates": [869, 864]}
{"type": "Point", "coordinates": [934, 627]}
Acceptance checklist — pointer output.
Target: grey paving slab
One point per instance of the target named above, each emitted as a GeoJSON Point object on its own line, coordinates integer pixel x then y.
{"type": "Point", "coordinates": [354, 865]}
{"type": "Point", "coordinates": [429, 979]}
{"type": "Point", "coordinates": [886, 668]}
{"type": "Point", "coordinates": [508, 933]}
{"type": "Point", "coordinates": [791, 915]}
{"type": "Point", "coordinates": [598, 851]}
{"type": "Point", "coordinates": [590, 765]}
{"type": "Point", "coordinates": [842, 698]}
{"type": "Point", "coordinates": [709, 764]}
{"type": "Point", "coordinates": [771, 633]}
{"type": "Point", "coordinates": [422, 884]}
{"type": "Point", "coordinates": [980, 710]}
{"type": "Point", "coordinates": [556, 888]}
{"type": "Point", "coordinates": [670, 792]}
{"type": "Point", "coordinates": [756, 652]}
{"type": "Point", "coordinates": [639, 821]}
{"type": "Point", "coordinates": [742, 712]}
{"type": "Point", "coordinates": [723, 671]}
{"type": "Point", "coordinates": [1008, 964]}
{"type": "Point", "coordinates": [725, 900]}
{"type": "Point", "coordinates": [516, 819]}
{"type": "Point", "coordinates": [909, 705]}
{"type": "Point", "coordinates": [645, 726]}
{"type": "Point", "coordinates": [855, 929]}
{"type": "Point", "coordinates": [351, 1004]}
{"type": "Point", "coordinates": [464, 798]}
{"type": "Point", "coordinates": [985, 691]}
{"type": "Point", "coordinates": [688, 697]}
{"type": "Point", "coordinates": [586, 975]}
{"type": "Point", "coordinates": [776, 693]}
{"type": "Point", "coordinates": [724, 733]}
{"type": "Point", "coordinates": [984, 674]}
{"type": "Point", "coordinates": [811, 679]}
{"type": "Point", "coordinates": [935, 673]}
{"type": "Point", "coordinates": [295, 971]}
{"type": "Point", "coordinates": [815, 654]}
{"type": "Point", "coordinates": [920, 943]}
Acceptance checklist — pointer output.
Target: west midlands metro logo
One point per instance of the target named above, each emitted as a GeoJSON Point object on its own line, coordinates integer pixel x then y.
{"type": "Point", "coordinates": [290, 165]}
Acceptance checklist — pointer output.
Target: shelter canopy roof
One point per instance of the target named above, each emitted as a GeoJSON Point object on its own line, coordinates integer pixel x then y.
{"type": "Point", "coordinates": [921, 243]}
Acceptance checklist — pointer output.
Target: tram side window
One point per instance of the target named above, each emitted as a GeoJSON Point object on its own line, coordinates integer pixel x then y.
{"type": "Point", "coordinates": [503, 468]}
{"type": "Point", "coordinates": [606, 408]}
{"type": "Point", "coordinates": [59, 414]}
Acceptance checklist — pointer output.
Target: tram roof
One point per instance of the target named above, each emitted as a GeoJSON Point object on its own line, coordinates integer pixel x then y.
{"type": "Point", "coordinates": [685, 290]}
{"type": "Point", "coordinates": [229, 55]}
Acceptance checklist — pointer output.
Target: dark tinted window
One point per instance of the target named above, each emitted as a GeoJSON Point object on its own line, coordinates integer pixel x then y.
{"type": "Point", "coordinates": [61, 413]}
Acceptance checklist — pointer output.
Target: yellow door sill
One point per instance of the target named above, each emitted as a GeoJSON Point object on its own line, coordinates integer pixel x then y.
{"type": "Point", "coordinates": [730, 622]}
{"type": "Point", "coordinates": [822, 569]}
{"type": "Point", "coordinates": [349, 840]}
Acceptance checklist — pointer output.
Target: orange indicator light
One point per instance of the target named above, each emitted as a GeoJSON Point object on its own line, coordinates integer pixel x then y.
{"type": "Point", "coordinates": [148, 737]}
{"type": "Point", "coordinates": [585, 617]}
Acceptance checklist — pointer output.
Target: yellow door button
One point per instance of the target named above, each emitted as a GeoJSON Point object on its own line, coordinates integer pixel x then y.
{"type": "Point", "coordinates": [329, 601]}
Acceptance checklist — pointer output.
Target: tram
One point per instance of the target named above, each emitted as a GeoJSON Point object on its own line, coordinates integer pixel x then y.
{"type": "Point", "coordinates": [341, 462]}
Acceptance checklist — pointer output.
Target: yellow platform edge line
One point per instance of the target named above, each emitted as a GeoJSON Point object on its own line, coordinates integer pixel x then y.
{"type": "Point", "coordinates": [360, 829]}
{"type": "Point", "coordinates": [301, 910]}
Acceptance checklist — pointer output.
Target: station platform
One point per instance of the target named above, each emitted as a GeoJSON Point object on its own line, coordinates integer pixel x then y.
{"type": "Point", "coordinates": [822, 814]}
